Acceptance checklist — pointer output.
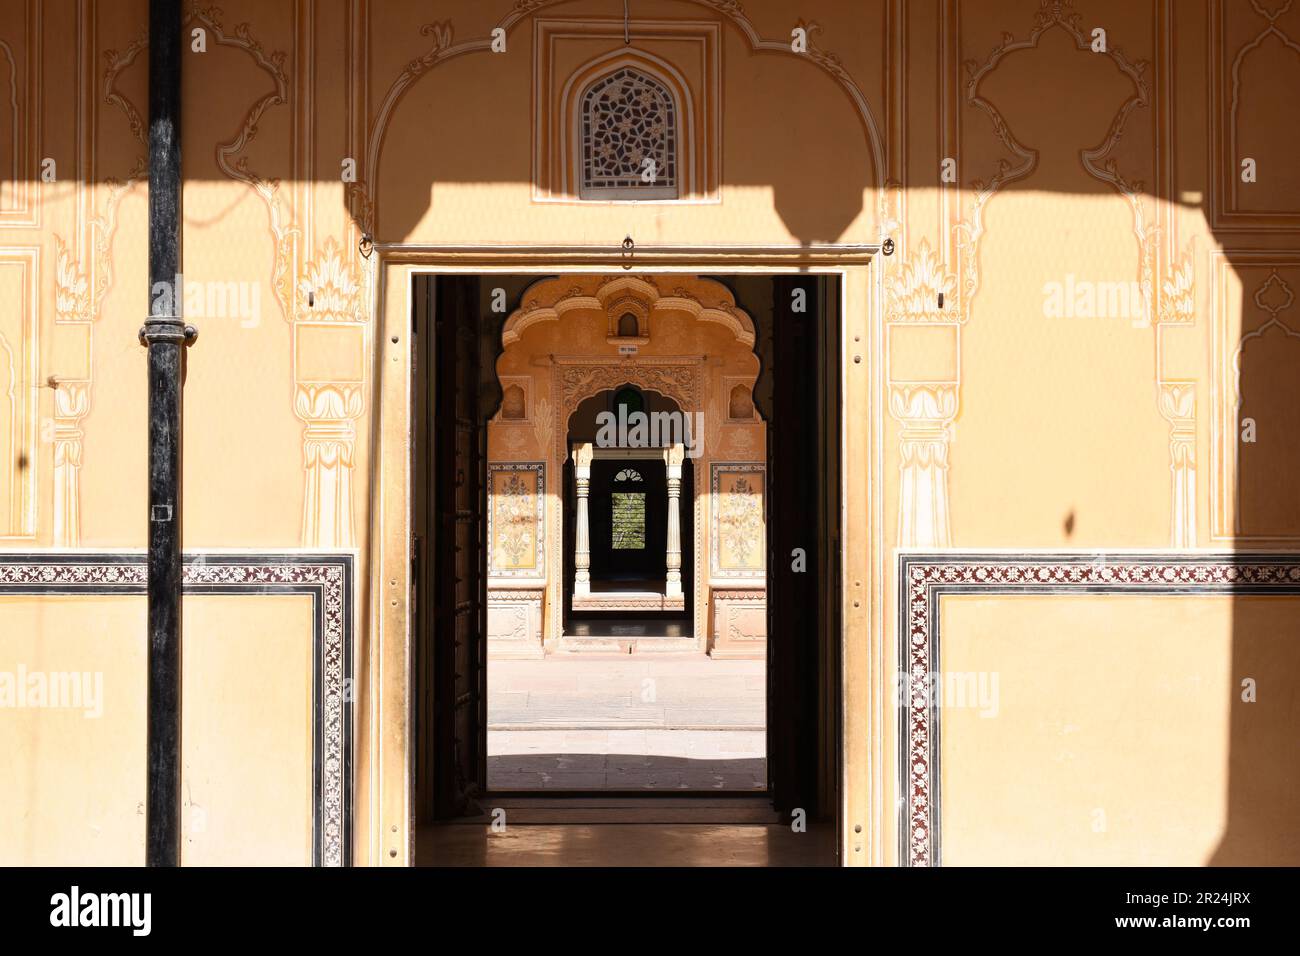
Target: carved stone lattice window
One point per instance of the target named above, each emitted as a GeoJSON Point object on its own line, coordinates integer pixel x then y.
{"type": "Point", "coordinates": [629, 138]}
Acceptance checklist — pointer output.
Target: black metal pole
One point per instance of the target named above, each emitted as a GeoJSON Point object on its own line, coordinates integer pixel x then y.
{"type": "Point", "coordinates": [165, 336]}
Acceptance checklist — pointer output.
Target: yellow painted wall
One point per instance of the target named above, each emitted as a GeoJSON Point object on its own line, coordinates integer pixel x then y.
{"type": "Point", "coordinates": [990, 423]}
{"type": "Point", "coordinates": [1111, 731]}
{"type": "Point", "coordinates": [74, 772]}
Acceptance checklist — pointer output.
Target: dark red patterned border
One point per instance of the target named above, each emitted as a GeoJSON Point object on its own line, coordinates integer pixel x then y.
{"type": "Point", "coordinates": [925, 578]}
{"type": "Point", "coordinates": [326, 577]}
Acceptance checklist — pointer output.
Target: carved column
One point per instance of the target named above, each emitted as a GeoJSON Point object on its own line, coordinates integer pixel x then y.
{"type": "Point", "coordinates": [673, 457]}
{"type": "Point", "coordinates": [926, 411]}
{"type": "Point", "coordinates": [582, 456]}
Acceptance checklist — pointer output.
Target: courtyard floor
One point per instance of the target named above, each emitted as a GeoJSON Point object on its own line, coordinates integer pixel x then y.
{"type": "Point", "coordinates": [674, 723]}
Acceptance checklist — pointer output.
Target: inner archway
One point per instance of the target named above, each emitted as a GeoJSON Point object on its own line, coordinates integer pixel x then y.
{"type": "Point", "coordinates": [626, 540]}
{"type": "Point", "coordinates": [629, 501]}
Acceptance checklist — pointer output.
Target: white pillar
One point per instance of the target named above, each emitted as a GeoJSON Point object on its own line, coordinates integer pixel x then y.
{"type": "Point", "coordinates": [582, 455]}
{"type": "Point", "coordinates": [673, 456]}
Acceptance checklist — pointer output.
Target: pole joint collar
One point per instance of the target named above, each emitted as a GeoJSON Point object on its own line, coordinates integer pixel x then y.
{"type": "Point", "coordinates": [167, 329]}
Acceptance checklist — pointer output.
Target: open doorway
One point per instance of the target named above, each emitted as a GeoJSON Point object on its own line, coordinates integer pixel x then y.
{"type": "Point", "coordinates": [626, 527]}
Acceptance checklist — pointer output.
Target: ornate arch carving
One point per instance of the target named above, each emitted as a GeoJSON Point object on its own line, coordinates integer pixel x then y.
{"type": "Point", "coordinates": [549, 300]}
{"type": "Point", "coordinates": [576, 383]}
{"type": "Point", "coordinates": [575, 378]}
{"type": "Point", "coordinates": [572, 383]}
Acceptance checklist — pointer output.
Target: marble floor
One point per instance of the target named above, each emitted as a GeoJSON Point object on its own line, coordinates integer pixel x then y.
{"type": "Point", "coordinates": [624, 845]}
{"type": "Point", "coordinates": [629, 763]}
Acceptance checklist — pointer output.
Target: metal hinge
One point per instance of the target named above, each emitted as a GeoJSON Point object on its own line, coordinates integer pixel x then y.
{"type": "Point", "coordinates": [417, 550]}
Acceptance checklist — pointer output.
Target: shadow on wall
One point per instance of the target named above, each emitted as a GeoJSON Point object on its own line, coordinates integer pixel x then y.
{"type": "Point", "coordinates": [818, 206]}
{"type": "Point", "coordinates": [1080, 152]}
{"type": "Point", "coordinates": [1066, 152]}
{"type": "Point", "coordinates": [1264, 690]}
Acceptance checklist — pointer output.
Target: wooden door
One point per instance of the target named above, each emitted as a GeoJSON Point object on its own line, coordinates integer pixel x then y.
{"type": "Point", "coordinates": [450, 618]}
{"type": "Point", "coordinates": [803, 544]}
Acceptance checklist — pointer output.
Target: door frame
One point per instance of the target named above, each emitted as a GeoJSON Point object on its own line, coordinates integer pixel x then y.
{"type": "Point", "coordinates": [386, 735]}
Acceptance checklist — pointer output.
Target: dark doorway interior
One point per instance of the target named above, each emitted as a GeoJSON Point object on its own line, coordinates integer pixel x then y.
{"type": "Point", "coordinates": [456, 343]}
{"type": "Point", "coordinates": [629, 524]}
{"type": "Point", "coordinates": [615, 569]}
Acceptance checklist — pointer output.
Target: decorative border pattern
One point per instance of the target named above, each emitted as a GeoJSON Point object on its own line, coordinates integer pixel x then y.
{"type": "Point", "coordinates": [924, 578]}
{"type": "Point", "coordinates": [652, 602]}
{"type": "Point", "coordinates": [716, 470]}
{"type": "Point", "coordinates": [326, 577]}
{"type": "Point", "coordinates": [538, 571]}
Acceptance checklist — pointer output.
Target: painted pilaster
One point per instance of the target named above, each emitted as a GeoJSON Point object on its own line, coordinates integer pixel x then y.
{"type": "Point", "coordinates": [329, 441]}
{"type": "Point", "coordinates": [1178, 406]}
{"type": "Point", "coordinates": [926, 412]}
{"type": "Point", "coordinates": [71, 403]}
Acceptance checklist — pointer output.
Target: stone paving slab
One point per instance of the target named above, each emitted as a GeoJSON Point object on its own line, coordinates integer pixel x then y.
{"type": "Point", "coordinates": [681, 693]}
{"type": "Point", "coordinates": [682, 723]}
{"type": "Point", "coordinates": [627, 760]}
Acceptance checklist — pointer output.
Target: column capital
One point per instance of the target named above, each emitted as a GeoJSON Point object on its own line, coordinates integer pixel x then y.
{"type": "Point", "coordinates": [583, 454]}
{"type": "Point", "coordinates": [674, 455]}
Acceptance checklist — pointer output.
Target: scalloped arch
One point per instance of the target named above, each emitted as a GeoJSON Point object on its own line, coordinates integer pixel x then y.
{"type": "Point", "coordinates": [550, 299]}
